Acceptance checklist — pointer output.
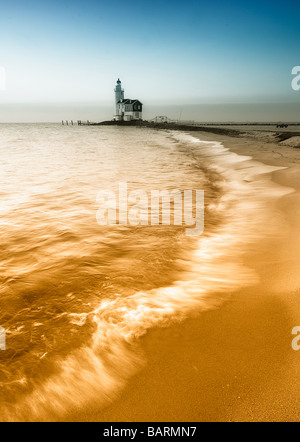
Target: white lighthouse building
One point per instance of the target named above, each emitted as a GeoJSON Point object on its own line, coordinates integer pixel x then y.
{"type": "Point", "coordinates": [126, 108]}
{"type": "Point", "coordinates": [119, 93]}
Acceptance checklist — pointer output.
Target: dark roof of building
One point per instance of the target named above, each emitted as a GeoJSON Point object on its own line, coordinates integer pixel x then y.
{"type": "Point", "coordinates": [129, 101]}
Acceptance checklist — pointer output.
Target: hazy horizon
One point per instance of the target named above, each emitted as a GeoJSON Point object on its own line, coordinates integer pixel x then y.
{"type": "Point", "coordinates": [206, 113]}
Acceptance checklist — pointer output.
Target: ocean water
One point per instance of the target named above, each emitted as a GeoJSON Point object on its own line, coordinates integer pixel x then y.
{"type": "Point", "coordinates": [75, 297]}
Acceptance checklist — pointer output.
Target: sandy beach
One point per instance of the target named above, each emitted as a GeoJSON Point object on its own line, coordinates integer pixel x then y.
{"type": "Point", "coordinates": [235, 363]}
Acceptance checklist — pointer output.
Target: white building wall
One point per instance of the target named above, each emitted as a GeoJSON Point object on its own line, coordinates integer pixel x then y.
{"type": "Point", "coordinates": [132, 115]}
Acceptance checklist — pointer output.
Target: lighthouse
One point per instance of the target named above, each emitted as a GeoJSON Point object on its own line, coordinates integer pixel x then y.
{"type": "Point", "coordinates": [126, 109]}
{"type": "Point", "coordinates": [119, 96]}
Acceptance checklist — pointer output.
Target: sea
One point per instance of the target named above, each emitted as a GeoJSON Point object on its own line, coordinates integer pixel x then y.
{"type": "Point", "coordinates": [77, 297]}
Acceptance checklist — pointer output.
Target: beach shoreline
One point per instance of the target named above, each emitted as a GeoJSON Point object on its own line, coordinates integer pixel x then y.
{"type": "Point", "coordinates": [235, 363]}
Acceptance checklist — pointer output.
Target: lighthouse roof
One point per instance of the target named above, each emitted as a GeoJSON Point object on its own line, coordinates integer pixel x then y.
{"type": "Point", "coordinates": [129, 101]}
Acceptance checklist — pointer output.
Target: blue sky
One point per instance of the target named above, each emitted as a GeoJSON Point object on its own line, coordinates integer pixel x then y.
{"type": "Point", "coordinates": [165, 52]}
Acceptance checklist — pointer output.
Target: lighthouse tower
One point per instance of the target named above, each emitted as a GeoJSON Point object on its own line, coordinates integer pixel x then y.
{"type": "Point", "coordinates": [119, 96]}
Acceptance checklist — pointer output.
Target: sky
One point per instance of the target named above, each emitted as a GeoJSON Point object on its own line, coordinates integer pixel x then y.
{"type": "Point", "coordinates": [62, 58]}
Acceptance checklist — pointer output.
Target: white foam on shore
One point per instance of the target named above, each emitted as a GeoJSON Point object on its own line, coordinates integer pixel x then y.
{"type": "Point", "coordinates": [99, 370]}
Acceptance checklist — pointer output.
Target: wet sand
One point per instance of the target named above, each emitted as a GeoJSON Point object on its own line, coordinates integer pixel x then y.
{"type": "Point", "coordinates": [235, 363]}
